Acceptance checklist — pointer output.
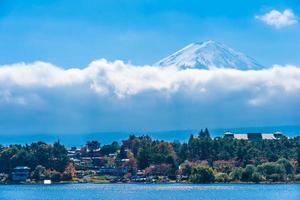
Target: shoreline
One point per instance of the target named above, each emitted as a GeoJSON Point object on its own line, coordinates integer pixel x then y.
{"type": "Point", "coordinates": [202, 159]}
{"type": "Point", "coordinates": [169, 183]}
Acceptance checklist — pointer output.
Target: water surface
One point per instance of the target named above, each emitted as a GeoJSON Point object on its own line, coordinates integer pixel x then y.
{"type": "Point", "coordinates": [150, 192]}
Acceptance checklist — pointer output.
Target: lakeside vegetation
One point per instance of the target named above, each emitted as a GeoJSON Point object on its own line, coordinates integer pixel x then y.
{"type": "Point", "coordinates": [201, 159]}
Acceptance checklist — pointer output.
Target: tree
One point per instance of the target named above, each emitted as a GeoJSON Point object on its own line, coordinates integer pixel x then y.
{"type": "Point", "coordinates": [54, 175]}
{"type": "Point", "coordinates": [59, 158]}
{"type": "Point", "coordinates": [298, 159]}
{"type": "Point", "coordinates": [123, 153]}
{"type": "Point", "coordinates": [108, 149]}
{"type": "Point", "coordinates": [236, 174]}
{"type": "Point", "coordinates": [185, 169]}
{"type": "Point", "coordinates": [201, 133]}
{"type": "Point", "coordinates": [247, 173]}
{"type": "Point", "coordinates": [204, 134]}
{"type": "Point", "coordinates": [42, 154]}
{"type": "Point", "coordinates": [39, 173]}
{"type": "Point", "coordinates": [22, 158]}
{"type": "Point", "coordinates": [257, 177]}
{"type": "Point", "coordinates": [298, 155]}
{"type": "Point", "coordinates": [144, 158]}
{"type": "Point", "coordinates": [289, 169]}
{"type": "Point", "coordinates": [69, 173]}
{"type": "Point", "coordinates": [272, 171]}
{"type": "Point", "coordinates": [202, 175]}
{"type": "Point", "coordinates": [92, 146]}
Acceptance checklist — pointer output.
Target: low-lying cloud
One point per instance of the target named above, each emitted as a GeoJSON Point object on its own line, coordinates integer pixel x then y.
{"type": "Point", "coordinates": [41, 97]}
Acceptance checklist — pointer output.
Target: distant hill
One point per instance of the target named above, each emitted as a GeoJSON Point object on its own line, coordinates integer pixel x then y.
{"type": "Point", "coordinates": [107, 137]}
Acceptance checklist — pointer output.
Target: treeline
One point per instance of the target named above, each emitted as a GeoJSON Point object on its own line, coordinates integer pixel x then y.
{"type": "Point", "coordinates": [202, 159]}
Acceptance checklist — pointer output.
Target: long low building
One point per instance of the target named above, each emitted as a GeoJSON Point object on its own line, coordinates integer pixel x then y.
{"type": "Point", "coordinates": [20, 173]}
{"type": "Point", "coordinates": [254, 136]}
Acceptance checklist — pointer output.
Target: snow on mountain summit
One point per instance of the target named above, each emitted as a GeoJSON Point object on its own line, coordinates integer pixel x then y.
{"type": "Point", "coordinates": [209, 55]}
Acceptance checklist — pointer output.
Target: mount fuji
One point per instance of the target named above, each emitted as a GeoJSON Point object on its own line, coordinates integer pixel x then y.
{"type": "Point", "coordinates": [209, 55]}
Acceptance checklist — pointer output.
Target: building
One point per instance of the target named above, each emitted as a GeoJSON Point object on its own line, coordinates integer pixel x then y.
{"type": "Point", "coordinates": [254, 136]}
{"type": "Point", "coordinates": [21, 173]}
{"type": "Point", "coordinates": [47, 182]}
{"type": "Point", "coordinates": [116, 171]}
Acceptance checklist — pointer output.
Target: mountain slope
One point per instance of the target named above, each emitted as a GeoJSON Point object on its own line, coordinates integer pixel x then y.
{"type": "Point", "coordinates": [209, 55]}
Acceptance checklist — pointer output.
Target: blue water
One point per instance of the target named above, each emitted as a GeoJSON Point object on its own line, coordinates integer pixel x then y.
{"type": "Point", "coordinates": [150, 192]}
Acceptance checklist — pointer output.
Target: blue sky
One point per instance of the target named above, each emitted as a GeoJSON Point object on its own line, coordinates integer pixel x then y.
{"type": "Point", "coordinates": [71, 90]}
{"type": "Point", "coordinates": [72, 33]}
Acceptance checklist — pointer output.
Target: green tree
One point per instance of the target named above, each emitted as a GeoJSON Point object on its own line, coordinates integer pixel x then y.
{"type": "Point", "coordinates": [247, 173]}
{"type": "Point", "coordinates": [59, 157]}
{"type": "Point", "coordinates": [109, 149]}
{"type": "Point", "coordinates": [289, 169]}
{"type": "Point", "coordinates": [92, 146]}
{"type": "Point", "coordinates": [202, 174]}
{"type": "Point", "coordinates": [272, 171]}
{"type": "Point", "coordinates": [236, 174]}
{"type": "Point", "coordinates": [257, 177]}
{"type": "Point", "coordinates": [144, 157]}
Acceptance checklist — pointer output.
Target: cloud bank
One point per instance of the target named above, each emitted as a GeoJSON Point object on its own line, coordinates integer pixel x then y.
{"type": "Point", "coordinates": [279, 19]}
{"type": "Point", "coordinates": [41, 97]}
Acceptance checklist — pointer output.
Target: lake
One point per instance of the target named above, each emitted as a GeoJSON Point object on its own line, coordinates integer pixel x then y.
{"type": "Point", "coordinates": [151, 191]}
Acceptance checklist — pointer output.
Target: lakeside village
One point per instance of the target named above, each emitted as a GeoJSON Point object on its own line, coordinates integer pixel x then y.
{"type": "Point", "coordinates": [236, 158]}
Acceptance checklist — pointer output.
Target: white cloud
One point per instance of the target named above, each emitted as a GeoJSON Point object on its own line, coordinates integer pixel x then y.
{"type": "Point", "coordinates": [122, 80]}
{"type": "Point", "coordinates": [279, 19]}
{"type": "Point", "coordinates": [118, 95]}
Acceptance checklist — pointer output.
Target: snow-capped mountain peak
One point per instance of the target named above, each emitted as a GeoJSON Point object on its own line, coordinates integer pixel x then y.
{"type": "Point", "coordinates": [209, 55]}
